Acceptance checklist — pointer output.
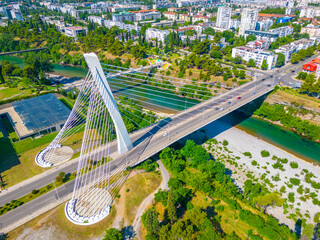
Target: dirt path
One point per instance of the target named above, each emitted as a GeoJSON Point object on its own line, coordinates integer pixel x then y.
{"type": "Point", "coordinates": [148, 200]}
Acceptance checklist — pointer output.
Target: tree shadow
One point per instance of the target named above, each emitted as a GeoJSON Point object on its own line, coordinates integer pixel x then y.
{"type": "Point", "coordinates": [8, 156]}
{"type": "Point", "coordinates": [226, 122]}
{"type": "Point", "coordinates": [298, 227]}
{"type": "Point", "coordinates": [4, 236]}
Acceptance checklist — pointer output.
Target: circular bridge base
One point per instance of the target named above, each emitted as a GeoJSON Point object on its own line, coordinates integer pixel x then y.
{"type": "Point", "coordinates": [59, 155]}
{"type": "Point", "coordinates": [75, 218]}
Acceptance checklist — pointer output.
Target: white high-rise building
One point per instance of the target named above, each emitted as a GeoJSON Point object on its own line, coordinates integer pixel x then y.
{"type": "Point", "coordinates": [224, 17]}
{"type": "Point", "coordinates": [248, 20]}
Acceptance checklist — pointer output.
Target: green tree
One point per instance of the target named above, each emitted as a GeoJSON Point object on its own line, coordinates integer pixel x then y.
{"type": "Point", "coordinates": [242, 74]}
{"type": "Point", "coordinates": [113, 234]}
{"type": "Point", "coordinates": [172, 214]}
{"type": "Point", "coordinates": [281, 60]}
{"type": "Point", "coordinates": [151, 223]}
{"type": "Point", "coordinates": [251, 63]}
{"type": "Point", "coordinates": [264, 65]}
{"type": "Point", "coordinates": [1, 76]}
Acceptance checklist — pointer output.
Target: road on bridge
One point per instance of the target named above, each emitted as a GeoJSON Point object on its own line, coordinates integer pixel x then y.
{"type": "Point", "coordinates": [147, 142]}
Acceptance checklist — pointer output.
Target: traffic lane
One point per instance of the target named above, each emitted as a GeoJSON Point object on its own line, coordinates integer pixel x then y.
{"type": "Point", "coordinates": [73, 167]}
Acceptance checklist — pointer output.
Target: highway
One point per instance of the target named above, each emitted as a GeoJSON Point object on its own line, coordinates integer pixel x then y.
{"type": "Point", "coordinates": [147, 142]}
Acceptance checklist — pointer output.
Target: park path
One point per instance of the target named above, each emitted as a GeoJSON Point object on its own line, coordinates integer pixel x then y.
{"type": "Point", "coordinates": [148, 200]}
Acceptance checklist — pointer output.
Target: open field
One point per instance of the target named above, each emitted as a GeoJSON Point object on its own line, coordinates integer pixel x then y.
{"type": "Point", "coordinates": [54, 225]}
{"type": "Point", "coordinates": [140, 186]}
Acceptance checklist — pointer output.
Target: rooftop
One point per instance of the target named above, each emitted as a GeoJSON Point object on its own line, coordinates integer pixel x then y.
{"type": "Point", "coordinates": [41, 112]}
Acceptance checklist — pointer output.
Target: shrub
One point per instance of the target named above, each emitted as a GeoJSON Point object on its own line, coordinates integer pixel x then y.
{"type": "Point", "coordinates": [291, 197]}
{"type": "Point", "coordinates": [225, 143]}
{"type": "Point", "coordinates": [283, 189]}
{"type": "Point", "coordinates": [34, 191]}
{"type": "Point", "coordinates": [265, 153]}
{"type": "Point", "coordinates": [247, 154]}
{"type": "Point", "coordinates": [295, 181]}
{"type": "Point", "coordinates": [254, 163]}
{"type": "Point", "coordinates": [294, 165]}
{"type": "Point", "coordinates": [316, 218]}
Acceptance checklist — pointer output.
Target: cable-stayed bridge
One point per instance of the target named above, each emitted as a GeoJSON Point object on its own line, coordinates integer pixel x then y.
{"type": "Point", "coordinates": [108, 149]}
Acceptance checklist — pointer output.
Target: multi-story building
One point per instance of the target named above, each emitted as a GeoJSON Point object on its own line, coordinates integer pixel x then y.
{"type": "Point", "coordinates": [259, 44]}
{"type": "Point", "coordinates": [143, 15]}
{"type": "Point", "coordinates": [12, 12]}
{"type": "Point", "coordinates": [152, 33]}
{"type": "Point", "coordinates": [96, 19]}
{"type": "Point", "coordinates": [197, 18]}
{"type": "Point", "coordinates": [123, 16]}
{"type": "Point", "coordinates": [166, 23]}
{"type": "Point", "coordinates": [294, 47]}
{"type": "Point", "coordinates": [75, 31]}
{"type": "Point", "coordinates": [287, 50]}
{"type": "Point", "coordinates": [224, 17]}
{"type": "Point", "coordinates": [185, 17]}
{"type": "Point", "coordinates": [272, 37]}
{"type": "Point", "coordinates": [248, 20]}
{"type": "Point", "coordinates": [264, 25]}
{"type": "Point", "coordinates": [234, 23]}
{"type": "Point", "coordinates": [282, 31]}
{"type": "Point", "coordinates": [257, 55]}
{"type": "Point", "coordinates": [121, 25]}
{"type": "Point", "coordinates": [171, 15]}
{"type": "Point", "coordinates": [312, 30]}
{"type": "Point", "coordinates": [303, 43]}
{"type": "Point", "coordinates": [310, 12]}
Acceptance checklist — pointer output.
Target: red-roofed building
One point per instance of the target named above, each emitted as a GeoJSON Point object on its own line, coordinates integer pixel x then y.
{"type": "Point", "coordinates": [312, 67]}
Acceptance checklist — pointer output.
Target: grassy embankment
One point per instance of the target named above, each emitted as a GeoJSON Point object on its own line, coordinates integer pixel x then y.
{"type": "Point", "coordinates": [140, 186]}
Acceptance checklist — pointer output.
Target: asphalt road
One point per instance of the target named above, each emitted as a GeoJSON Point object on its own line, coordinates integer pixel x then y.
{"type": "Point", "coordinates": [147, 142]}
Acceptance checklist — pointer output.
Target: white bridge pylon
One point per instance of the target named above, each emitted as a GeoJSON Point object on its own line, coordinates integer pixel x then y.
{"type": "Point", "coordinates": [56, 153]}
{"type": "Point", "coordinates": [123, 140]}
{"type": "Point", "coordinates": [96, 181]}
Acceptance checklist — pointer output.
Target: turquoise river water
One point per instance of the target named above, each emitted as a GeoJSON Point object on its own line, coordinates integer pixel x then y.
{"type": "Point", "coordinates": [271, 133]}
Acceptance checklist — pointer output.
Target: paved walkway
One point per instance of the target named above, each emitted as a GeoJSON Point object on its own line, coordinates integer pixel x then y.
{"type": "Point", "coordinates": [148, 200]}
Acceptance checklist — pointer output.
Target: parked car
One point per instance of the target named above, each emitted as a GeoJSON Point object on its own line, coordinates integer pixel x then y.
{"type": "Point", "coordinates": [166, 134]}
{"type": "Point", "coordinates": [238, 98]}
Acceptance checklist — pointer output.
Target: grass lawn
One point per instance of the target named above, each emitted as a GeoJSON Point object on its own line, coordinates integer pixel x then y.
{"type": "Point", "coordinates": [6, 92]}
{"type": "Point", "coordinates": [21, 164]}
{"type": "Point", "coordinates": [63, 228]}
{"type": "Point", "coordinates": [140, 186]}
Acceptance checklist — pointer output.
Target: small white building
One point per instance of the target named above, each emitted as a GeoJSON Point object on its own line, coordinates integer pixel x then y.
{"type": "Point", "coordinates": [171, 15]}
{"type": "Point", "coordinates": [75, 31]}
{"type": "Point", "coordinates": [96, 19]}
{"type": "Point", "coordinates": [257, 55]}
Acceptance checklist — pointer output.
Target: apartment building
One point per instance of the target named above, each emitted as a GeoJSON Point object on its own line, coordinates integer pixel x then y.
{"type": "Point", "coordinates": [247, 53]}
{"type": "Point", "coordinates": [312, 30]}
{"type": "Point", "coordinates": [143, 15]}
{"type": "Point", "coordinates": [171, 15]}
{"type": "Point", "coordinates": [223, 17]}
{"type": "Point", "coordinates": [123, 26]}
{"type": "Point", "coordinates": [152, 33]}
{"type": "Point", "coordinates": [282, 31]}
{"type": "Point", "coordinates": [123, 16]}
{"type": "Point", "coordinates": [248, 20]}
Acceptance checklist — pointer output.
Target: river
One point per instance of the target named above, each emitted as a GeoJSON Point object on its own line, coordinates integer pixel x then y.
{"type": "Point", "coordinates": [264, 130]}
